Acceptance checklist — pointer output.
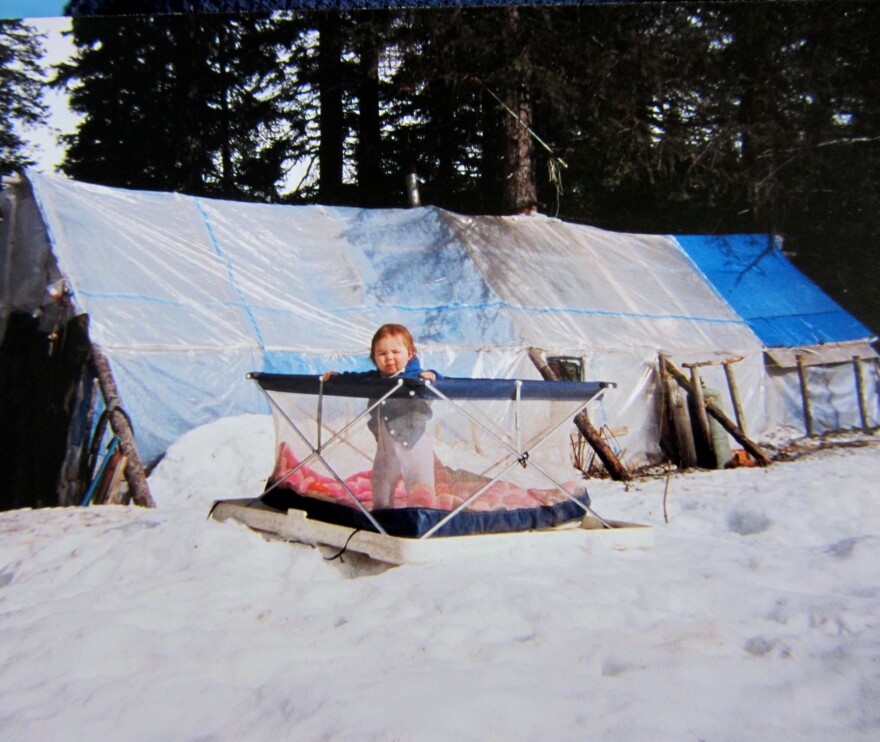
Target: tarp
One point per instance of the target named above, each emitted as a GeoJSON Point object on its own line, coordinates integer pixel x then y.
{"type": "Point", "coordinates": [781, 305]}
{"type": "Point", "coordinates": [187, 295]}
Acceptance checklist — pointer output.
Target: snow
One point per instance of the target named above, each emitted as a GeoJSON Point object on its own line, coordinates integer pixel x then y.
{"type": "Point", "coordinates": [754, 616]}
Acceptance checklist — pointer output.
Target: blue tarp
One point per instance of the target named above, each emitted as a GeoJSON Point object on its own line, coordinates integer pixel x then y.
{"type": "Point", "coordinates": [783, 307]}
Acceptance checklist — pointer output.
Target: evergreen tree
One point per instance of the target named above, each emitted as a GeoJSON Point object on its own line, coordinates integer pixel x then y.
{"type": "Point", "coordinates": [371, 36]}
{"type": "Point", "coordinates": [456, 68]}
{"type": "Point", "coordinates": [331, 85]}
{"type": "Point", "coordinates": [21, 92]}
{"type": "Point", "coordinates": [193, 103]}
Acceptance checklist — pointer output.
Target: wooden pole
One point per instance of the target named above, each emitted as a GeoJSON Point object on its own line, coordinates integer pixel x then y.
{"type": "Point", "coordinates": [679, 419]}
{"type": "Point", "coordinates": [805, 395]}
{"type": "Point", "coordinates": [860, 390]}
{"type": "Point", "coordinates": [760, 457]}
{"type": "Point", "coordinates": [119, 422]}
{"type": "Point", "coordinates": [703, 428]}
{"type": "Point", "coordinates": [582, 420]}
{"type": "Point", "coordinates": [734, 396]}
{"type": "Point", "coordinates": [112, 496]}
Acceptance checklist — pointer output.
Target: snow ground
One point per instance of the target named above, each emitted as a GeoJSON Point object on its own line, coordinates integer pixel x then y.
{"type": "Point", "coordinates": [755, 615]}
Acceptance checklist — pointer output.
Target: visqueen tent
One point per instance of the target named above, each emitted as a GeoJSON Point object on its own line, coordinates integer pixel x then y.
{"type": "Point", "coordinates": [187, 295]}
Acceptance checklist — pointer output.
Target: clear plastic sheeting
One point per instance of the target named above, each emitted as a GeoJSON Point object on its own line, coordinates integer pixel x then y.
{"type": "Point", "coordinates": [830, 390]}
{"type": "Point", "coordinates": [185, 295]}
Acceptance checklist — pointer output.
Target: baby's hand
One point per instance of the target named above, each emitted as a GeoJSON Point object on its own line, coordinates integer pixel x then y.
{"type": "Point", "coordinates": [430, 375]}
{"type": "Point", "coordinates": [327, 374]}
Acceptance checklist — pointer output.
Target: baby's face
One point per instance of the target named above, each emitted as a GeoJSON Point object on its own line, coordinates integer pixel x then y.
{"type": "Point", "coordinates": [391, 355]}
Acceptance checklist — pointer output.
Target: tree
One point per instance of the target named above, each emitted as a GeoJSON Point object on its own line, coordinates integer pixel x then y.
{"type": "Point", "coordinates": [458, 68]}
{"type": "Point", "coordinates": [21, 92]}
{"type": "Point", "coordinates": [195, 103]}
{"type": "Point", "coordinates": [519, 190]}
{"type": "Point", "coordinates": [371, 35]}
{"type": "Point", "coordinates": [331, 92]}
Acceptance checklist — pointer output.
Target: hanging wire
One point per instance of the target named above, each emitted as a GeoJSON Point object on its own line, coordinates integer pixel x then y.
{"type": "Point", "coordinates": [554, 174]}
{"type": "Point", "coordinates": [554, 164]}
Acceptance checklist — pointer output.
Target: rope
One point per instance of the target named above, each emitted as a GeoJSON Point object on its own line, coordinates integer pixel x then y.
{"type": "Point", "coordinates": [554, 175]}
{"type": "Point", "coordinates": [95, 445]}
{"type": "Point", "coordinates": [111, 449]}
{"type": "Point", "coordinates": [527, 128]}
{"type": "Point", "coordinates": [339, 555]}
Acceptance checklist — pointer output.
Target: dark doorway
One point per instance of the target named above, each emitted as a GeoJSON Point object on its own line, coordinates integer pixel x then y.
{"type": "Point", "coordinates": [39, 376]}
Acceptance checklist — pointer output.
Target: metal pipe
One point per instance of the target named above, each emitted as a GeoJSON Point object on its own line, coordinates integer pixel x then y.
{"type": "Point", "coordinates": [412, 190]}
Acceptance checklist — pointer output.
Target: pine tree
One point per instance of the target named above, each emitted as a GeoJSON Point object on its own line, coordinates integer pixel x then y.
{"type": "Point", "coordinates": [195, 103]}
{"type": "Point", "coordinates": [21, 92]}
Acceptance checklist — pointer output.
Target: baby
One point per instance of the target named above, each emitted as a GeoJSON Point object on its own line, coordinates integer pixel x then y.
{"type": "Point", "coordinates": [404, 443]}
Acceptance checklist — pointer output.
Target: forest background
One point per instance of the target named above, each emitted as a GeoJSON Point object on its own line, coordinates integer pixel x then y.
{"type": "Point", "coordinates": [674, 118]}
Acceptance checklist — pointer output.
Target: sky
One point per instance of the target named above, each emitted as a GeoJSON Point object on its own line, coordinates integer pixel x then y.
{"type": "Point", "coordinates": [31, 8]}
{"type": "Point", "coordinates": [47, 17]}
{"type": "Point", "coordinates": [754, 615]}
{"type": "Point", "coordinates": [45, 148]}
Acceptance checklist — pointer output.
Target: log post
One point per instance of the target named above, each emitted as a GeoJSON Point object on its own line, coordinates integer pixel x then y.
{"type": "Point", "coordinates": [860, 391]}
{"type": "Point", "coordinates": [696, 391]}
{"type": "Point", "coordinates": [756, 452]}
{"type": "Point", "coordinates": [679, 419]}
{"type": "Point", "coordinates": [112, 495]}
{"type": "Point", "coordinates": [805, 395]}
{"type": "Point", "coordinates": [121, 425]}
{"type": "Point", "coordinates": [582, 420]}
{"type": "Point", "coordinates": [734, 395]}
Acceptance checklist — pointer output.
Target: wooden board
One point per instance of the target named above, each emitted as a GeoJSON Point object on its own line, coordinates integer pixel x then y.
{"type": "Point", "coordinates": [294, 525]}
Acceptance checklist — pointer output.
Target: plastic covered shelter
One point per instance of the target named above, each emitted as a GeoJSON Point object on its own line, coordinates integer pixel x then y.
{"type": "Point", "coordinates": [187, 295]}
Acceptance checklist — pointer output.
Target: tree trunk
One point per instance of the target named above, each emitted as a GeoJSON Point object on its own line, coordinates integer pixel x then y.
{"type": "Point", "coordinates": [121, 425]}
{"type": "Point", "coordinates": [332, 124]}
{"type": "Point", "coordinates": [226, 174]}
{"type": "Point", "coordinates": [193, 154]}
{"type": "Point", "coordinates": [442, 108]}
{"type": "Point", "coordinates": [369, 163]}
{"type": "Point", "coordinates": [519, 190]}
{"type": "Point", "coordinates": [492, 156]}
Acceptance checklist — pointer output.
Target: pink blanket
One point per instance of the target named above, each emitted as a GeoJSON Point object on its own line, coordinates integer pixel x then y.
{"type": "Point", "coordinates": [451, 488]}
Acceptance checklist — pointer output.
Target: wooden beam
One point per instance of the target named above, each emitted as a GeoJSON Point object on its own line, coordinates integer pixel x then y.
{"type": "Point", "coordinates": [734, 396]}
{"type": "Point", "coordinates": [805, 395]}
{"type": "Point", "coordinates": [705, 447]}
{"type": "Point", "coordinates": [121, 425]}
{"type": "Point", "coordinates": [582, 420]}
{"type": "Point", "coordinates": [679, 419]}
{"type": "Point", "coordinates": [860, 392]}
{"type": "Point", "coordinates": [749, 445]}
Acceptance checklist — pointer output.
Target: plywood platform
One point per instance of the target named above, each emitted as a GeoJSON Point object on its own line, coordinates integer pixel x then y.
{"type": "Point", "coordinates": [591, 535]}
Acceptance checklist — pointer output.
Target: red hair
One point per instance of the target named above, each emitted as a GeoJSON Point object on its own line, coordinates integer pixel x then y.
{"type": "Point", "coordinates": [392, 330]}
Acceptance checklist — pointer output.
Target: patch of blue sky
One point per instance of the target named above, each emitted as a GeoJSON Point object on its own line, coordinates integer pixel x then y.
{"type": "Point", "coordinates": [31, 8]}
